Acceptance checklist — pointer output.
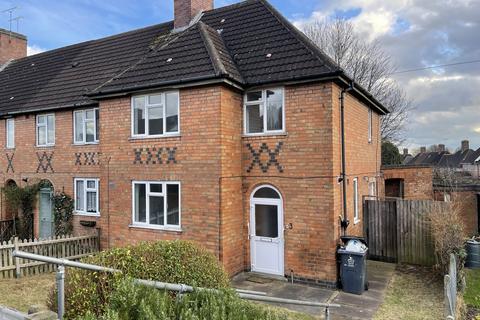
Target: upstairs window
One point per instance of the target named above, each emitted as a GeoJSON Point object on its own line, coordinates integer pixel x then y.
{"type": "Point", "coordinates": [45, 130]}
{"type": "Point", "coordinates": [264, 112]}
{"type": "Point", "coordinates": [86, 126]}
{"type": "Point", "coordinates": [10, 127]}
{"type": "Point", "coordinates": [370, 125]}
{"type": "Point", "coordinates": [155, 115]}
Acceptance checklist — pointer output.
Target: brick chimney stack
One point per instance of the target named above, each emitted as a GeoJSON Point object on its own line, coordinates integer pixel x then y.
{"type": "Point", "coordinates": [423, 149]}
{"type": "Point", "coordinates": [441, 148]}
{"type": "Point", "coordinates": [465, 145]}
{"type": "Point", "coordinates": [405, 151]}
{"type": "Point", "coordinates": [12, 46]}
{"type": "Point", "coordinates": [186, 10]}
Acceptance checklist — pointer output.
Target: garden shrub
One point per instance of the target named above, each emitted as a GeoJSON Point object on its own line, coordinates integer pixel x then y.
{"type": "Point", "coordinates": [448, 233]}
{"type": "Point", "coordinates": [63, 206]}
{"type": "Point", "coordinates": [166, 261]}
{"type": "Point", "coordinates": [130, 301]}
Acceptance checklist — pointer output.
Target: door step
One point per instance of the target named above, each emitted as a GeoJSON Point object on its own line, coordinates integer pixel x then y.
{"type": "Point", "coordinates": [263, 278]}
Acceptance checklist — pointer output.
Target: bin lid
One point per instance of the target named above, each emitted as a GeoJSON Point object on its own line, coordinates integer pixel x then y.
{"type": "Point", "coordinates": [355, 245]}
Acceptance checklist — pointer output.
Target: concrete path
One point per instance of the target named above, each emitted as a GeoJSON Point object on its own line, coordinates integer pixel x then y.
{"type": "Point", "coordinates": [355, 307]}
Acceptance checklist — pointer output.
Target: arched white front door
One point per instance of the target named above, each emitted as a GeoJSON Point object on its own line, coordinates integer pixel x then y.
{"type": "Point", "coordinates": [266, 231]}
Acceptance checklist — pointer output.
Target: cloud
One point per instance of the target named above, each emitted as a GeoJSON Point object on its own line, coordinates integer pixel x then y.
{"type": "Point", "coordinates": [33, 49]}
{"type": "Point", "coordinates": [421, 33]}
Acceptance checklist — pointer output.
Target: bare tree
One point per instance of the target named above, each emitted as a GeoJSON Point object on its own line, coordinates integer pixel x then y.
{"type": "Point", "coordinates": [369, 65]}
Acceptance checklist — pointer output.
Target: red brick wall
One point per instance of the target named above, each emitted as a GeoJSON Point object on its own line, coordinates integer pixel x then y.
{"type": "Point", "coordinates": [212, 158]}
{"type": "Point", "coordinates": [12, 46]}
{"type": "Point", "coordinates": [363, 158]}
{"type": "Point", "coordinates": [417, 181]}
{"type": "Point", "coordinates": [466, 204]}
{"type": "Point", "coordinates": [25, 158]}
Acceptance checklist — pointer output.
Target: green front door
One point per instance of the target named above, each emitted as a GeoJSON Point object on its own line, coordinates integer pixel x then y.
{"type": "Point", "coordinates": [46, 213]}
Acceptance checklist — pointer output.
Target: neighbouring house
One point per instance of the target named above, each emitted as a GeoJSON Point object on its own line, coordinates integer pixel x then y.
{"type": "Point", "coordinates": [442, 176]}
{"type": "Point", "coordinates": [223, 127]}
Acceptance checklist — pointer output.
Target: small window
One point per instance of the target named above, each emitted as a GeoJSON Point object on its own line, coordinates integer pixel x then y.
{"type": "Point", "coordinates": [86, 196]}
{"type": "Point", "coordinates": [86, 126]}
{"type": "Point", "coordinates": [370, 125]}
{"type": "Point", "coordinates": [156, 115]}
{"type": "Point", "coordinates": [45, 130]}
{"type": "Point", "coordinates": [264, 112]}
{"type": "Point", "coordinates": [356, 217]}
{"type": "Point", "coordinates": [10, 126]}
{"type": "Point", "coordinates": [156, 205]}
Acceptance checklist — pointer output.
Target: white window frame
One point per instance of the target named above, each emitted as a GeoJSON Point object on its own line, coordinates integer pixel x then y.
{"type": "Point", "coordinates": [165, 226]}
{"type": "Point", "coordinates": [85, 190]}
{"type": "Point", "coordinates": [9, 144]}
{"type": "Point", "coordinates": [84, 140]}
{"type": "Point", "coordinates": [356, 217]}
{"type": "Point", "coordinates": [147, 105]}
{"type": "Point", "coordinates": [263, 103]}
{"type": "Point", "coordinates": [370, 125]}
{"type": "Point", "coordinates": [37, 125]}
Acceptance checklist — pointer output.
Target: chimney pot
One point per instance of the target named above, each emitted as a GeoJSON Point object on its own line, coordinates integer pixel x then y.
{"type": "Point", "coordinates": [12, 46]}
{"type": "Point", "coordinates": [465, 145]}
{"type": "Point", "coordinates": [186, 10]}
{"type": "Point", "coordinates": [423, 149]}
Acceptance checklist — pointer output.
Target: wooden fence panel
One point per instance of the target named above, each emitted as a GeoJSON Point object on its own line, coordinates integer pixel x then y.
{"type": "Point", "coordinates": [68, 247]}
{"type": "Point", "coordinates": [400, 230]}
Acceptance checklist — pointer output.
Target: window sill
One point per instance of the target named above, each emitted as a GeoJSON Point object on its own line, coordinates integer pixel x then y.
{"type": "Point", "coordinates": [86, 144]}
{"type": "Point", "coordinates": [262, 135]}
{"type": "Point", "coordinates": [174, 136]}
{"type": "Point", "coordinates": [158, 228]}
{"type": "Point", "coordinates": [82, 214]}
{"type": "Point", "coordinates": [45, 146]}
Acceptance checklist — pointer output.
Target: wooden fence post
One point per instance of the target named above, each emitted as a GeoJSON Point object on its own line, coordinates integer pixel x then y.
{"type": "Point", "coordinates": [17, 260]}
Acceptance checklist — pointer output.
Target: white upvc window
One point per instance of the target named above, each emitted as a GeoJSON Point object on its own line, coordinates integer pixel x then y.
{"type": "Point", "coordinates": [356, 216]}
{"type": "Point", "coordinates": [86, 196]}
{"type": "Point", "coordinates": [10, 134]}
{"type": "Point", "coordinates": [45, 130]}
{"type": "Point", "coordinates": [264, 112]}
{"type": "Point", "coordinates": [86, 126]}
{"type": "Point", "coordinates": [156, 205]}
{"type": "Point", "coordinates": [370, 125]}
{"type": "Point", "coordinates": [156, 115]}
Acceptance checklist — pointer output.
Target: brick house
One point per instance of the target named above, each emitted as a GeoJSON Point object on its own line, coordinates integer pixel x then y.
{"type": "Point", "coordinates": [223, 127]}
{"type": "Point", "coordinates": [442, 176]}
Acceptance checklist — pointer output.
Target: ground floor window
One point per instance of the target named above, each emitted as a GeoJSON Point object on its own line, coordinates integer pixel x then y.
{"type": "Point", "coordinates": [86, 196]}
{"type": "Point", "coordinates": [156, 204]}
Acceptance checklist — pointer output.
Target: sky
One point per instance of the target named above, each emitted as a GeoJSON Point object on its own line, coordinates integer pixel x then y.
{"type": "Point", "coordinates": [416, 33]}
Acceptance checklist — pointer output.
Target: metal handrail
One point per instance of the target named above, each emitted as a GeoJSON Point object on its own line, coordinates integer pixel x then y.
{"type": "Point", "coordinates": [181, 288]}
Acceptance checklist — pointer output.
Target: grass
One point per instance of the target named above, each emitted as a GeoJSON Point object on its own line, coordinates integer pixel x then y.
{"type": "Point", "coordinates": [22, 293]}
{"type": "Point", "coordinates": [472, 292]}
{"type": "Point", "coordinates": [414, 293]}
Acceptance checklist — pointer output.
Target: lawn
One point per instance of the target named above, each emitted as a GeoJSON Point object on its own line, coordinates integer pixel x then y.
{"type": "Point", "coordinates": [472, 292]}
{"type": "Point", "coordinates": [414, 293]}
{"type": "Point", "coordinates": [22, 293]}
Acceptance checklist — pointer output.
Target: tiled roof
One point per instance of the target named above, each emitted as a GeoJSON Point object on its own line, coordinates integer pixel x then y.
{"type": "Point", "coordinates": [248, 43]}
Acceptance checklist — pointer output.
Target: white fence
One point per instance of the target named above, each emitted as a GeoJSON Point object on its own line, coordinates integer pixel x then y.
{"type": "Point", "coordinates": [450, 287]}
{"type": "Point", "coordinates": [61, 247]}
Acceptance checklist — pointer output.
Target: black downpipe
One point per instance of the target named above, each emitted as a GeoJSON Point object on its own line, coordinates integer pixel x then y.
{"type": "Point", "coordinates": [343, 176]}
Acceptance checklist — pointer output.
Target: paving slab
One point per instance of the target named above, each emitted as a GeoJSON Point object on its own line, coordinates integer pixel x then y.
{"type": "Point", "coordinates": [355, 307]}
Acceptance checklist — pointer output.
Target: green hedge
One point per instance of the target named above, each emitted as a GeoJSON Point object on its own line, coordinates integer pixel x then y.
{"type": "Point", "coordinates": [131, 301]}
{"type": "Point", "coordinates": [166, 261]}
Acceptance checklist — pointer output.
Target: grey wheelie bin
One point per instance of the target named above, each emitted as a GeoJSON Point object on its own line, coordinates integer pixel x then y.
{"type": "Point", "coordinates": [353, 266]}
